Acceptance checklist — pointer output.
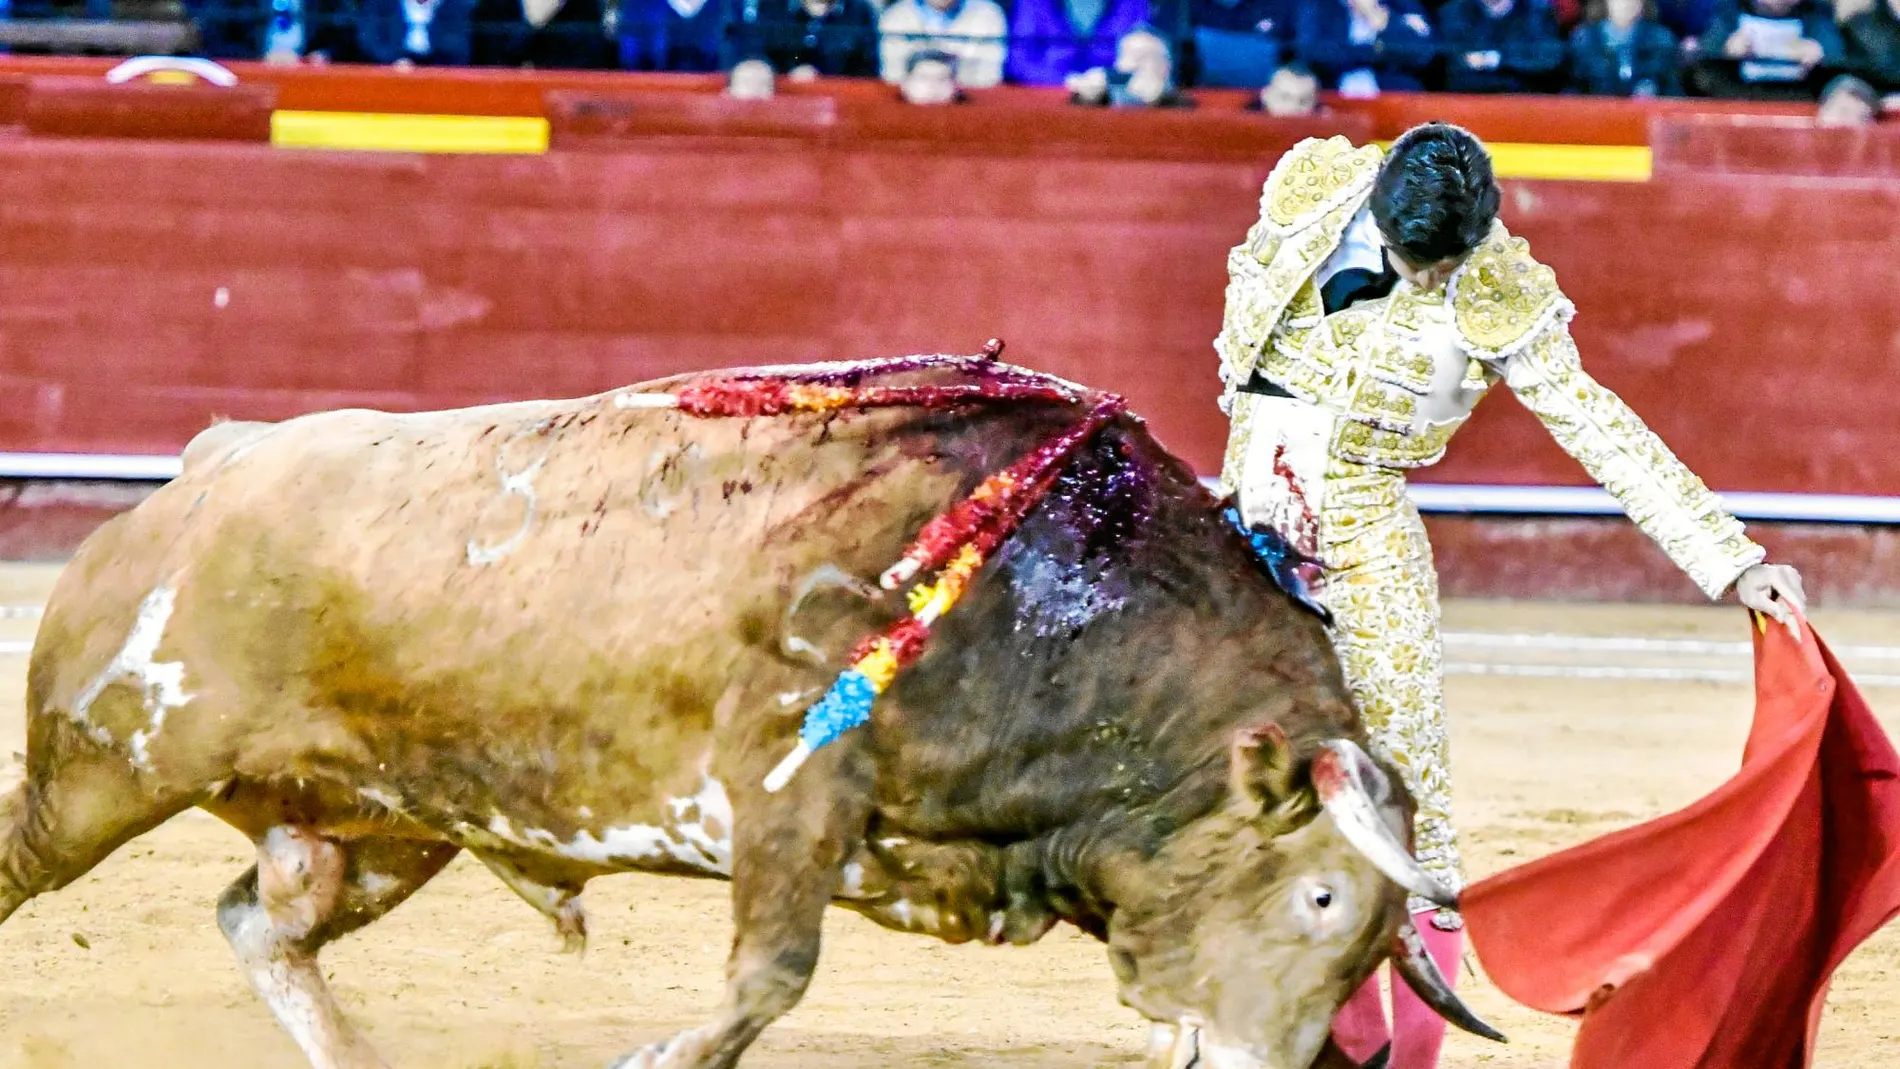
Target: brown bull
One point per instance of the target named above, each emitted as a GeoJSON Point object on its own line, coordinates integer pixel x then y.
{"type": "Point", "coordinates": [573, 637]}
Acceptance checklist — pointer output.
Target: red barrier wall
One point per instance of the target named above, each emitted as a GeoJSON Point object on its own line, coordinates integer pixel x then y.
{"type": "Point", "coordinates": [147, 286]}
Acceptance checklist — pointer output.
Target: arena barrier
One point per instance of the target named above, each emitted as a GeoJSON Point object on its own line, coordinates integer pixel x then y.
{"type": "Point", "coordinates": [167, 268]}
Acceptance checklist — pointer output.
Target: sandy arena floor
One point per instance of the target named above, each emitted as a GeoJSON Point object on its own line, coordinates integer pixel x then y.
{"type": "Point", "coordinates": [127, 968]}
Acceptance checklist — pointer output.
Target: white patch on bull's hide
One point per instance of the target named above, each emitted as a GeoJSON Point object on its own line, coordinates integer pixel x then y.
{"type": "Point", "coordinates": [585, 812]}
{"type": "Point", "coordinates": [852, 885]}
{"type": "Point", "coordinates": [375, 884]}
{"type": "Point", "coordinates": [162, 682]}
{"type": "Point", "coordinates": [515, 484]}
{"type": "Point", "coordinates": [902, 911]}
{"type": "Point", "coordinates": [893, 843]}
{"type": "Point", "coordinates": [704, 843]}
{"type": "Point", "coordinates": [380, 797]}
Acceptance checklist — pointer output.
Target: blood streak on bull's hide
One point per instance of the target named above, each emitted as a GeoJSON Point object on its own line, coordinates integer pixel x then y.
{"type": "Point", "coordinates": [162, 683]}
{"type": "Point", "coordinates": [698, 834]}
{"type": "Point", "coordinates": [1066, 563]}
{"type": "Point", "coordinates": [518, 482]}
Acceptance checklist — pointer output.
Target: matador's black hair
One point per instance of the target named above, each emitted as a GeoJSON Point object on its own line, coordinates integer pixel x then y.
{"type": "Point", "coordinates": [1435, 196]}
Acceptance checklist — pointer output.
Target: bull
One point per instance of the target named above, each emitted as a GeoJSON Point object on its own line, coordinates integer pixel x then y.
{"type": "Point", "coordinates": [573, 637]}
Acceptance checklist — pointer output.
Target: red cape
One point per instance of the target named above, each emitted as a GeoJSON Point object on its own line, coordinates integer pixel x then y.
{"type": "Point", "coordinates": [1705, 939]}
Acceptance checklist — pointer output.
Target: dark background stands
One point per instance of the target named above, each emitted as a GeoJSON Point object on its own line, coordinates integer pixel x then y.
{"type": "Point", "coordinates": [654, 36]}
{"type": "Point", "coordinates": [837, 39]}
{"type": "Point", "coordinates": [382, 34]}
{"type": "Point", "coordinates": [1872, 40]}
{"type": "Point", "coordinates": [1717, 75]}
{"type": "Point", "coordinates": [1645, 64]}
{"type": "Point", "coordinates": [1399, 58]}
{"type": "Point", "coordinates": [1238, 43]}
{"type": "Point", "coordinates": [1052, 39]}
{"type": "Point", "coordinates": [1522, 50]}
{"type": "Point", "coordinates": [573, 38]}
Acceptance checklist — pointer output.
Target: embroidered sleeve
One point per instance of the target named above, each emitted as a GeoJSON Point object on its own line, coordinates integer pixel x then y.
{"type": "Point", "coordinates": [1666, 499]}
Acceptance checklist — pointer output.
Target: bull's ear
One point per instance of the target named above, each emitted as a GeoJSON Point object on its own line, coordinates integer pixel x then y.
{"type": "Point", "coordinates": [1262, 769]}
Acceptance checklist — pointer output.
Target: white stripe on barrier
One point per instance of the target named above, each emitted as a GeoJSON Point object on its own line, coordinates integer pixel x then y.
{"type": "Point", "coordinates": [1653, 674]}
{"type": "Point", "coordinates": [1431, 497]}
{"type": "Point", "coordinates": [88, 466]}
{"type": "Point", "coordinates": [1634, 644]}
{"type": "Point", "coordinates": [1452, 498]}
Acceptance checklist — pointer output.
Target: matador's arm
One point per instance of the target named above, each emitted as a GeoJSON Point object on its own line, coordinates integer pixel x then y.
{"type": "Point", "coordinates": [1512, 317]}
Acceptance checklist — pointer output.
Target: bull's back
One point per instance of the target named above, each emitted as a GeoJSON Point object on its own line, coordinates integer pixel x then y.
{"type": "Point", "coordinates": [557, 605]}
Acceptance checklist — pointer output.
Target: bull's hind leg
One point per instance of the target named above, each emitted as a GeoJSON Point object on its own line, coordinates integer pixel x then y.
{"type": "Point", "coordinates": [788, 856]}
{"type": "Point", "coordinates": [304, 892]}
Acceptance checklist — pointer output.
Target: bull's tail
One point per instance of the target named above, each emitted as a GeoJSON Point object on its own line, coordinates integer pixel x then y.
{"type": "Point", "coordinates": [18, 867]}
{"type": "Point", "coordinates": [59, 820]}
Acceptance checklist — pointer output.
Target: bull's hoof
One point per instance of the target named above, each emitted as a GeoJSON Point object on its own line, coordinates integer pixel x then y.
{"type": "Point", "coordinates": [666, 1055]}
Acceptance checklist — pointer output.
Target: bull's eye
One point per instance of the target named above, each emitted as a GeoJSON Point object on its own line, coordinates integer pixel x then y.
{"type": "Point", "coordinates": [1322, 897]}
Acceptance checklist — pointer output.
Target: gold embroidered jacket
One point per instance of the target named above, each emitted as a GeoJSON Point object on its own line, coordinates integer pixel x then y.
{"type": "Point", "coordinates": [1509, 322]}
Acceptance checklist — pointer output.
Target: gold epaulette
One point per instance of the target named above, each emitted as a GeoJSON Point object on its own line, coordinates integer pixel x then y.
{"type": "Point", "coordinates": [1502, 298]}
{"type": "Point", "coordinates": [1315, 177]}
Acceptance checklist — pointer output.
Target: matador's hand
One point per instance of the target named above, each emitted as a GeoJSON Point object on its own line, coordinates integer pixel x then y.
{"type": "Point", "coordinates": [1774, 590]}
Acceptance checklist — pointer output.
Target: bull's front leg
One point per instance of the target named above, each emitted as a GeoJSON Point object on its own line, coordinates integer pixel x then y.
{"type": "Point", "coordinates": [788, 854]}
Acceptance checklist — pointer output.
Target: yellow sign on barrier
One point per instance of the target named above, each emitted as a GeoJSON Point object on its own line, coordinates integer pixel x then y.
{"type": "Point", "coordinates": [373, 132]}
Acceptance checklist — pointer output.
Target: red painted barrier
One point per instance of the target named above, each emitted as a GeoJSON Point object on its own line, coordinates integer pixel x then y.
{"type": "Point", "coordinates": [1771, 145]}
{"type": "Point", "coordinates": [88, 107]}
{"type": "Point", "coordinates": [145, 287]}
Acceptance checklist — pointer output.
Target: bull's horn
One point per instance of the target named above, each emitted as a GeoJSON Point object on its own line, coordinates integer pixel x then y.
{"type": "Point", "coordinates": [1411, 960]}
{"type": "Point", "coordinates": [1342, 793]}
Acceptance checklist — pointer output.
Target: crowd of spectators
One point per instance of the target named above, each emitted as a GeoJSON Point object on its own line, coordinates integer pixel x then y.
{"type": "Point", "coordinates": [1120, 52]}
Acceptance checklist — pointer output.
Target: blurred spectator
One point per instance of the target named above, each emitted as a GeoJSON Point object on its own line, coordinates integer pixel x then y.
{"type": "Point", "coordinates": [808, 38]}
{"type": "Point", "coordinates": [673, 35]}
{"type": "Point", "coordinates": [1687, 19]}
{"type": "Point", "coordinates": [1292, 93]}
{"type": "Point", "coordinates": [1623, 51]}
{"type": "Point", "coordinates": [1870, 30]}
{"type": "Point", "coordinates": [1361, 47]}
{"type": "Point", "coordinates": [1143, 76]}
{"type": "Point", "coordinates": [1239, 43]}
{"type": "Point", "coordinates": [750, 79]}
{"type": "Point", "coordinates": [545, 34]}
{"type": "Point", "coordinates": [1053, 39]}
{"type": "Point", "coordinates": [971, 31]}
{"type": "Point", "coordinates": [1848, 101]}
{"type": "Point", "coordinates": [930, 78]}
{"type": "Point", "coordinates": [280, 31]}
{"type": "Point", "coordinates": [1767, 49]}
{"type": "Point", "coordinates": [421, 33]}
{"type": "Point", "coordinates": [1500, 46]}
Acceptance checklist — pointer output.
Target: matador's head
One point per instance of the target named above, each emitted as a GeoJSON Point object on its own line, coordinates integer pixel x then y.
{"type": "Point", "coordinates": [1434, 201]}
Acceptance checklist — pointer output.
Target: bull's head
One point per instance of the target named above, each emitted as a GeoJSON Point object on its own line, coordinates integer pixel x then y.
{"type": "Point", "coordinates": [1254, 924]}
